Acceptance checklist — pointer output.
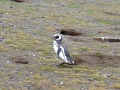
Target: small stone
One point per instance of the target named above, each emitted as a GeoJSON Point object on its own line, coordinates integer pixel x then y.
{"type": "Point", "coordinates": [109, 75]}
{"type": "Point", "coordinates": [99, 31]}
{"type": "Point", "coordinates": [8, 62]}
{"type": "Point", "coordinates": [61, 83]}
{"type": "Point", "coordinates": [90, 79]}
{"type": "Point", "coordinates": [15, 72]}
{"type": "Point", "coordinates": [43, 17]}
{"type": "Point", "coordinates": [96, 85]}
{"type": "Point", "coordinates": [27, 86]}
{"type": "Point", "coordinates": [11, 25]}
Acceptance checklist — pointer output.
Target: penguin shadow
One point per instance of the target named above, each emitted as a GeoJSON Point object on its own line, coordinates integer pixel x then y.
{"type": "Point", "coordinates": [63, 66]}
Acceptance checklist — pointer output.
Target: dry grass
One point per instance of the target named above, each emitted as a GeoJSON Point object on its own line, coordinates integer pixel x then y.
{"type": "Point", "coordinates": [30, 27]}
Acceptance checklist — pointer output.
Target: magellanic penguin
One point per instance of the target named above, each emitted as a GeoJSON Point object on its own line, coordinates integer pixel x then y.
{"type": "Point", "coordinates": [61, 51]}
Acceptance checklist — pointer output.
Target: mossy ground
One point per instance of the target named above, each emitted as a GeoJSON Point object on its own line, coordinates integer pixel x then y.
{"type": "Point", "coordinates": [26, 34]}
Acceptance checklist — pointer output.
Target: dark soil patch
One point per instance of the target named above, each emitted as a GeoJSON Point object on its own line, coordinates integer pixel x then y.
{"type": "Point", "coordinates": [70, 32]}
{"type": "Point", "coordinates": [18, 0]}
{"type": "Point", "coordinates": [116, 28]}
{"type": "Point", "coordinates": [107, 39]}
{"type": "Point", "coordinates": [112, 13]}
{"type": "Point", "coordinates": [97, 60]}
{"type": "Point", "coordinates": [19, 59]}
{"type": "Point", "coordinates": [78, 60]}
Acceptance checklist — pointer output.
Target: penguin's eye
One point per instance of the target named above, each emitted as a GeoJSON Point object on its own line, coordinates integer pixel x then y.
{"type": "Point", "coordinates": [57, 37]}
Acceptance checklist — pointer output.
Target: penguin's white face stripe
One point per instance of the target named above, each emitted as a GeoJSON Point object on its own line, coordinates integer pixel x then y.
{"type": "Point", "coordinates": [60, 37]}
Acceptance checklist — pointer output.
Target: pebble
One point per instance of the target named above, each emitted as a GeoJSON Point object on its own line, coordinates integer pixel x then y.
{"type": "Point", "coordinates": [61, 83]}
{"type": "Point", "coordinates": [90, 79]}
{"type": "Point", "coordinates": [96, 85]}
{"type": "Point", "coordinates": [109, 75]}
{"type": "Point", "coordinates": [8, 62]}
{"type": "Point", "coordinates": [27, 87]}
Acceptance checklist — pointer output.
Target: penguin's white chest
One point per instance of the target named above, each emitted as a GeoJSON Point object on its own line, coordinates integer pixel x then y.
{"type": "Point", "coordinates": [55, 46]}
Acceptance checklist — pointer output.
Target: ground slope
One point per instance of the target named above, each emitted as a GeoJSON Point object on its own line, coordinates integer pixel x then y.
{"type": "Point", "coordinates": [90, 29]}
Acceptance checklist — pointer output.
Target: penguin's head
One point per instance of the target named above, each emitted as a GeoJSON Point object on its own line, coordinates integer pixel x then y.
{"type": "Point", "coordinates": [57, 37]}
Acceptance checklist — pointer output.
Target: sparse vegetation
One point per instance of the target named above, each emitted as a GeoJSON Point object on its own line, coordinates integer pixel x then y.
{"type": "Point", "coordinates": [26, 35]}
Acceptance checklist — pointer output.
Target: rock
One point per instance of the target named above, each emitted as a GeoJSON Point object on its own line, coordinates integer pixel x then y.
{"type": "Point", "coordinates": [96, 85]}
{"type": "Point", "coordinates": [90, 79]}
{"type": "Point", "coordinates": [1, 38]}
{"type": "Point", "coordinates": [109, 75]}
{"type": "Point", "coordinates": [61, 83]}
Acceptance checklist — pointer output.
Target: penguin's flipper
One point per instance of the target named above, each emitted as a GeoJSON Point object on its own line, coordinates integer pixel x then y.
{"type": "Point", "coordinates": [68, 57]}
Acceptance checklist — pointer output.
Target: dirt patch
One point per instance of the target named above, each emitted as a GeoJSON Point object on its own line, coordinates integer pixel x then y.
{"type": "Point", "coordinates": [107, 39]}
{"type": "Point", "coordinates": [19, 59]}
{"type": "Point", "coordinates": [116, 28]}
{"type": "Point", "coordinates": [112, 13]}
{"type": "Point", "coordinates": [25, 57]}
{"type": "Point", "coordinates": [98, 60]}
{"type": "Point", "coordinates": [78, 60]}
{"type": "Point", "coordinates": [70, 32]}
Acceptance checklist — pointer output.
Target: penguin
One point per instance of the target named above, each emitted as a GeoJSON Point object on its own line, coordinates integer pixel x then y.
{"type": "Point", "coordinates": [61, 50]}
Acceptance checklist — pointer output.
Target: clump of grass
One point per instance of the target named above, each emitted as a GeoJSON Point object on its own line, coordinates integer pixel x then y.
{"type": "Point", "coordinates": [3, 48]}
{"type": "Point", "coordinates": [116, 79]}
{"type": "Point", "coordinates": [20, 40]}
{"type": "Point", "coordinates": [46, 50]}
{"type": "Point", "coordinates": [1, 74]}
{"type": "Point", "coordinates": [59, 88]}
{"type": "Point", "coordinates": [105, 46]}
{"type": "Point", "coordinates": [98, 77]}
{"type": "Point", "coordinates": [104, 22]}
{"type": "Point", "coordinates": [50, 28]}
{"type": "Point", "coordinates": [37, 77]}
{"type": "Point", "coordinates": [97, 88]}
{"type": "Point", "coordinates": [100, 54]}
{"type": "Point", "coordinates": [86, 49]}
{"type": "Point", "coordinates": [116, 86]}
{"type": "Point", "coordinates": [46, 68]}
